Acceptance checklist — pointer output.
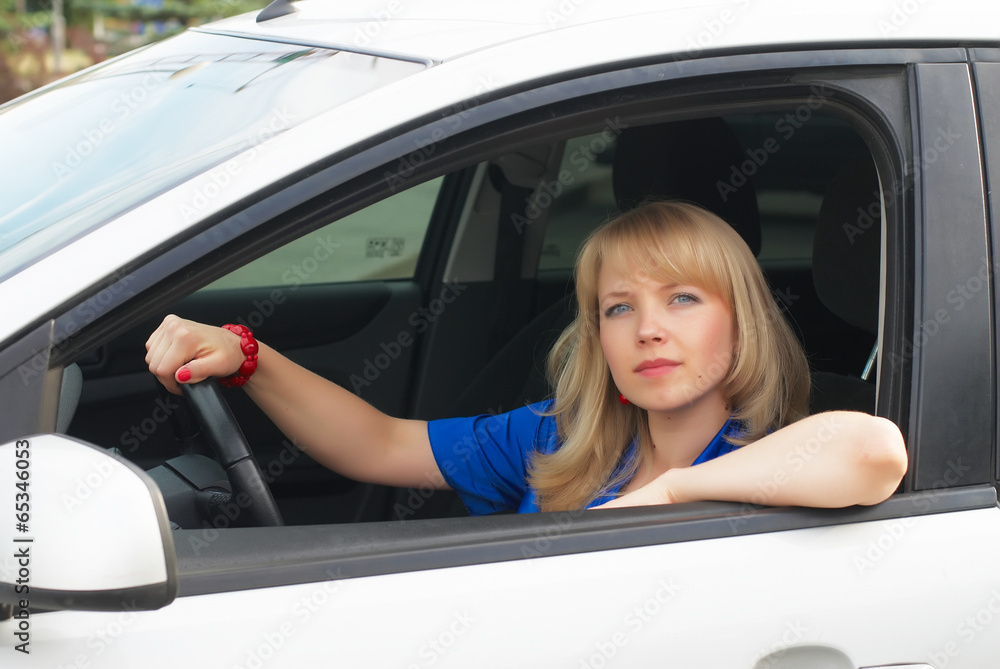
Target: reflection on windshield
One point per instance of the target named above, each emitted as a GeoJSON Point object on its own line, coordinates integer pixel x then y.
{"type": "Point", "coordinates": [95, 145]}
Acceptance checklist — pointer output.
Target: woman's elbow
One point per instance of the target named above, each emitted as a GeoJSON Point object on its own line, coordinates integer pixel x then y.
{"type": "Point", "coordinates": [879, 455]}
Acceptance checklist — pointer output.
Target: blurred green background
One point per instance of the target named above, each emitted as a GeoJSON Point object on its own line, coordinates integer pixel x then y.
{"type": "Point", "coordinates": [44, 40]}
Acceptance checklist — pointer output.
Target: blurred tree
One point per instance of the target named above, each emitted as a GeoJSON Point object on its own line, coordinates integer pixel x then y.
{"type": "Point", "coordinates": [189, 12]}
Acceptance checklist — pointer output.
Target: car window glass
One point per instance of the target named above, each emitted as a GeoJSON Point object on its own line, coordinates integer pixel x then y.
{"type": "Point", "coordinates": [382, 241]}
{"type": "Point", "coordinates": [101, 150]}
{"type": "Point", "coordinates": [789, 163]}
{"type": "Point", "coordinates": [587, 201]}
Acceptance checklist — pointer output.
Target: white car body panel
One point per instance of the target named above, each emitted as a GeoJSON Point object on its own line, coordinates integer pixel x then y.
{"type": "Point", "coordinates": [444, 30]}
{"type": "Point", "coordinates": [842, 591]}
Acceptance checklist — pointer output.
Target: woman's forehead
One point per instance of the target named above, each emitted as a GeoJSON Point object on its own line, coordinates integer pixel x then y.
{"type": "Point", "coordinates": [622, 273]}
{"type": "Point", "coordinates": [613, 280]}
{"type": "Point", "coordinates": [640, 268]}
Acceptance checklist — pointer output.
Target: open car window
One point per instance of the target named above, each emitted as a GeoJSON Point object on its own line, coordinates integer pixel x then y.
{"type": "Point", "coordinates": [426, 346]}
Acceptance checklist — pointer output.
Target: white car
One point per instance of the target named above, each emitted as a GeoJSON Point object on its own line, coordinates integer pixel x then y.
{"type": "Point", "coordinates": [392, 194]}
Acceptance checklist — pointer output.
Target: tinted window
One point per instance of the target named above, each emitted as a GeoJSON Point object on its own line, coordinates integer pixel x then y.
{"type": "Point", "coordinates": [382, 241]}
{"type": "Point", "coordinates": [790, 168]}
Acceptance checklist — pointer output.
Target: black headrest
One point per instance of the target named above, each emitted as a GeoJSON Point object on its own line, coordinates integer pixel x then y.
{"type": "Point", "coordinates": [700, 161]}
{"type": "Point", "coordinates": [847, 245]}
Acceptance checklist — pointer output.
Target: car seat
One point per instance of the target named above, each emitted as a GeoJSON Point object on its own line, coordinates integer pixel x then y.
{"type": "Point", "coordinates": [846, 261]}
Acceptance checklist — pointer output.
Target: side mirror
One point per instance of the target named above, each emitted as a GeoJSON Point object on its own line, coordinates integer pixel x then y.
{"type": "Point", "coordinates": [80, 529]}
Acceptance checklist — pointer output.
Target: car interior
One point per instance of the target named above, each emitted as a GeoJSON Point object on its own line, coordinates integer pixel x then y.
{"type": "Point", "coordinates": [430, 304]}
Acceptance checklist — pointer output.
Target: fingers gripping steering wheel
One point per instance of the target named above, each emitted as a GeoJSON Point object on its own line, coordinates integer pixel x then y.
{"type": "Point", "coordinates": [233, 452]}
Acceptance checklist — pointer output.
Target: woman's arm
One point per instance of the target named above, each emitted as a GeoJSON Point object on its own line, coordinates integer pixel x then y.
{"type": "Point", "coordinates": [832, 459]}
{"type": "Point", "coordinates": [335, 427]}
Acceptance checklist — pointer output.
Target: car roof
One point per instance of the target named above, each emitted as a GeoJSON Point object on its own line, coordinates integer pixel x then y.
{"type": "Point", "coordinates": [436, 31]}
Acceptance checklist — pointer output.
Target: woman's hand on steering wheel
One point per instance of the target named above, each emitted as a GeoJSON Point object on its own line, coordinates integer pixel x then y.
{"type": "Point", "coordinates": [183, 351]}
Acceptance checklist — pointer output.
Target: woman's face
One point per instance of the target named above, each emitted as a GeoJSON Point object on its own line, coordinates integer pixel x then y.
{"type": "Point", "coordinates": [668, 346]}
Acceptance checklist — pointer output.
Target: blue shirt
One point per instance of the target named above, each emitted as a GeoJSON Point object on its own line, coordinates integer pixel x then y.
{"type": "Point", "coordinates": [485, 458]}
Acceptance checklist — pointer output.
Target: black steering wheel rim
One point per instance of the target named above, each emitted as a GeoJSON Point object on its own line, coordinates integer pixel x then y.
{"type": "Point", "coordinates": [231, 448]}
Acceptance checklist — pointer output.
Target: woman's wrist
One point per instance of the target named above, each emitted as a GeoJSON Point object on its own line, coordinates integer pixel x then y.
{"type": "Point", "coordinates": [249, 349]}
{"type": "Point", "coordinates": [661, 490]}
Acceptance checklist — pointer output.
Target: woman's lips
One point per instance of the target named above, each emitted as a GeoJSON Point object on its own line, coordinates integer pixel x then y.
{"type": "Point", "coordinates": [657, 367]}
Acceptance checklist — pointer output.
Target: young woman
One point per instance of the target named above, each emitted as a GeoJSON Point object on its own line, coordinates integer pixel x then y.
{"type": "Point", "coordinates": [678, 356]}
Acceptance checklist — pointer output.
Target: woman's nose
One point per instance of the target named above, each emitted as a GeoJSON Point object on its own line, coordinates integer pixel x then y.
{"type": "Point", "coordinates": [652, 327]}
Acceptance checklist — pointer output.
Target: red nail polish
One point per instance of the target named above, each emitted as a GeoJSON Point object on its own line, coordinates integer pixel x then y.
{"type": "Point", "coordinates": [184, 375]}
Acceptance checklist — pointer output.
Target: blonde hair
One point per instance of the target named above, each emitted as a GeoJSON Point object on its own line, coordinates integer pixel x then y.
{"type": "Point", "coordinates": [768, 378]}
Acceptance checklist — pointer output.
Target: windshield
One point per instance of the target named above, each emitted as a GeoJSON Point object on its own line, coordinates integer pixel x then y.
{"type": "Point", "coordinates": [97, 144]}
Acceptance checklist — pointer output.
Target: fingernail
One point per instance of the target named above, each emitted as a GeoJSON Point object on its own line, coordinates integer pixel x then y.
{"type": "Point", "coordinates": [184, 375]}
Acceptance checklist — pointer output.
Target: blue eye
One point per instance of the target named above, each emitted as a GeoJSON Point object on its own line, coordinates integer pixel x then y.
{"type": "Point", "coordinates": [616, 310]}
{"type": "Point", "coordinates": [685, 298]}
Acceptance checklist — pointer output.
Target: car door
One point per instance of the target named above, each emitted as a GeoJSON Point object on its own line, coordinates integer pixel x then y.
{"type": "Point", "coordinates": [705, 584]}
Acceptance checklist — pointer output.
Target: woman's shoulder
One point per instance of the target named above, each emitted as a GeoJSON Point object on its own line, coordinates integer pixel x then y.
{"type": "Point", "coordinates": [536, 417]}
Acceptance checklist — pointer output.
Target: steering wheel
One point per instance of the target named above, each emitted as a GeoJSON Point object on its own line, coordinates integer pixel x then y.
{"type": "Point", "coordinates": [233, 452]}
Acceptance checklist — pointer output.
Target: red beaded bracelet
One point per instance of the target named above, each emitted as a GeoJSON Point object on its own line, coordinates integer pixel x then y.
{"type": "Point", "coordinates": [249, 347]}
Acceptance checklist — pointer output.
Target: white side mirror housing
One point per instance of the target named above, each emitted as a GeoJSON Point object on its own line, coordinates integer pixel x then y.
{"type": "Point", "coordinates": [80, 529]}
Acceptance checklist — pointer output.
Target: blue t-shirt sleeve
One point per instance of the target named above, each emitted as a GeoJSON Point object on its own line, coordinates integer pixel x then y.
{"type": "Point", "coordinates": [485, 458]}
